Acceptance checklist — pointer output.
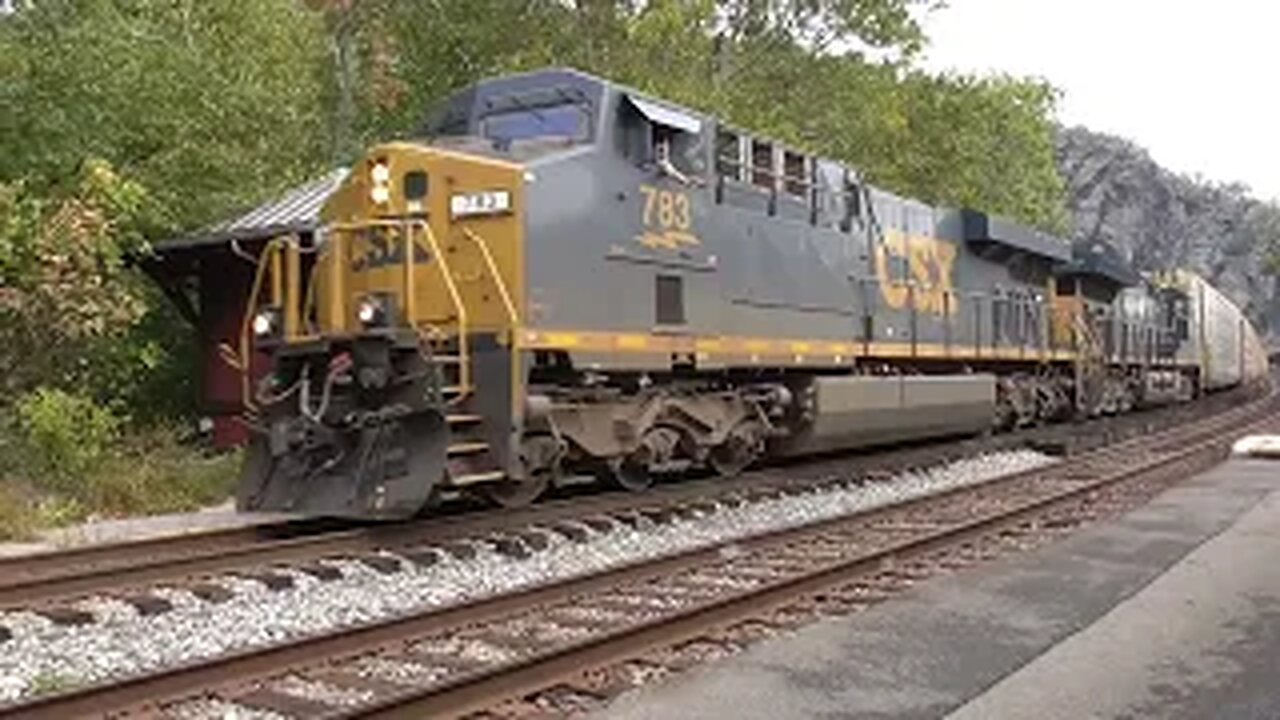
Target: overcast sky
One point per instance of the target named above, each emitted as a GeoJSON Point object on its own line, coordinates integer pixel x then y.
{"type": "Point", "coordinates": [1193, 81]}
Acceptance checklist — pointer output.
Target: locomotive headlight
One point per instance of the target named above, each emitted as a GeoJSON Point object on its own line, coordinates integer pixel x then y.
{"type": "Point", "coordinates": [380, 182]}
{"type": "Point", "coordinates": [266, 322]}
{"type": "Point", "coordinates": [371, 312]}
{"type": "Point", "coordinates": [489, 202]}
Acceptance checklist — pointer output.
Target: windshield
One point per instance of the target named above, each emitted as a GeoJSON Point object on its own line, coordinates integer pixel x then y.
{"type": "Point", "coordinates": [559, 121]}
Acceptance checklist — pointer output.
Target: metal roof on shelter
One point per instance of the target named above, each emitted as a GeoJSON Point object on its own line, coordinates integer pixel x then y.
{"type": "Point", "coordinates": [296, 211]}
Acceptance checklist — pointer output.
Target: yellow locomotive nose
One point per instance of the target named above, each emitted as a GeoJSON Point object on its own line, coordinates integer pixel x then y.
{"type": "Point", "coordinates": [422, 237]}
{"type": "Point", "coordinates": [415, 282]}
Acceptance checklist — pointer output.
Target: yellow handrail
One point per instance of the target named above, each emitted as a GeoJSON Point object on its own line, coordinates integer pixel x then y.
{"type": "Point", "coordinates": [251, 308]}
{"type": "Point", "coordinates": [293, 289]}
{"type": "Point", "coordinates": [512, 314]}
{"type": "Point", "coordinates": [464, 359]}
{"type": "Point", "coordinates": [501, 284]}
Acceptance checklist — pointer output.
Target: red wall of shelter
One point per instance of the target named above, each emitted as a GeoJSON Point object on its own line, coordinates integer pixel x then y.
{"type": "Point", "coordinates": [225, 281]}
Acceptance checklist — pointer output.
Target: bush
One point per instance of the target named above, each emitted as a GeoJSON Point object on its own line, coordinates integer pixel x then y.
{"type": "Point", "coordinates": [153, 472]}
{"type": "Point", "coordinates": [18, 514]}
{"type": "Point", "coordinates": [63, 437]}
{"type": "Point", "coordinates": [65, 458]}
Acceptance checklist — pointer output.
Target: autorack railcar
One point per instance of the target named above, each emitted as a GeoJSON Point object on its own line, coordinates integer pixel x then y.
{"type": "Point", "coordinates": [563, 276]}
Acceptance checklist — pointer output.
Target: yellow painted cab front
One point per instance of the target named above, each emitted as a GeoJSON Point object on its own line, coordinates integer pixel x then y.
{"type": "Point", "coordinates": [414, 279]}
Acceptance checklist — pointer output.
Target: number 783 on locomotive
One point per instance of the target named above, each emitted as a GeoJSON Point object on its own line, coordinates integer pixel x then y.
{"type": "Point", "coordinates": [564, 278]}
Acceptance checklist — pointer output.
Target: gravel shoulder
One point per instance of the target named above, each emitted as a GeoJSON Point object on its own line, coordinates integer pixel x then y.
{"type": "Point", "coordinates": [102, 532]}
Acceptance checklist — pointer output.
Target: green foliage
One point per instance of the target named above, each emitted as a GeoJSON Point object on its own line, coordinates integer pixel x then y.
{"type": "Point", "coordinates": [66, 295]}
{"type": "Point", "coordinates": [1263, 225]}
{"type": "Point", "coordinates": [983, 143]}
{"type": "Point", "coordinates": [64, 436]}
{"type": "Point", "coordinates": [48, 683]}
{"type": "Point", "coordinates": [152, 471]}
{"type": "Point", "coordinates": [206, 103]}
{"type": "Point", "coordinates": [64, 458]}
{"type": "Point", "coordinates": [18, 520]}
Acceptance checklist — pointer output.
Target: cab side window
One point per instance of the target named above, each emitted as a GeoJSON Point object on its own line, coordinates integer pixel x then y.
{"type": "Point", "coordinates": [676, 149]}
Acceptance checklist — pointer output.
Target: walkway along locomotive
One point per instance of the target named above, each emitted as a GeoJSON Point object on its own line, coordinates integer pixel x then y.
{"type": "Point", "coordinates": [568, 277]}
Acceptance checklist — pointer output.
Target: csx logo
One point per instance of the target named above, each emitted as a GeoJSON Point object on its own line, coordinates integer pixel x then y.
{"type": "Point", "coordinates": [667, 217]}
{"type": "Point", "coordinates": [929, 261]}
{"type": "Point", "coordinates": [375, 250]}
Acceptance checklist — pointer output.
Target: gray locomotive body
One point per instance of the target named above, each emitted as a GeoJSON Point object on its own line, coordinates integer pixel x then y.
{"type": "Point", "coordinates": [625, 287]}
{"type": "Point", "coordinates": [664, 246]}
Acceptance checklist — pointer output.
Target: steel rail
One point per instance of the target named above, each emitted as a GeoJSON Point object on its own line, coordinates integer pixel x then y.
{"type": "Point", "coordinates": [28, 580]}
{"type": "Point", "coordinates": [18, 572]}
{"type": "Point", "coordinates": [481, 688]}
{"type": "Point", "coordinates": [485, 688]}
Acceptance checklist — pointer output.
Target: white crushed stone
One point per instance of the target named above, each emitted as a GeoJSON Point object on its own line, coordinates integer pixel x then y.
{"type": "Point", "coordinates": [322, 692]}
{"type": "Point", "coordinates": [465, 649]}
{"type": "Point", "coordinates": [109, 610]}
{"type": "Point", "coordinates": [398, 671]}
{"type": "Point", "coordinates": [179, 598]}
{"type": "Point", "coordinates": [126, 643]}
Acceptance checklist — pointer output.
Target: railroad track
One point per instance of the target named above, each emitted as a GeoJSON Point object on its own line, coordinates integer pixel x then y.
{"type": "Point", "coordinates": [128, 570]}
{"type": "Point", "coordinates": [472, 656]}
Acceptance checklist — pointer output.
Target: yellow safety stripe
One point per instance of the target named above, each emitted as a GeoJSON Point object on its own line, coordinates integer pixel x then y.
{"type": "Point", "coordinates": [789, 351]}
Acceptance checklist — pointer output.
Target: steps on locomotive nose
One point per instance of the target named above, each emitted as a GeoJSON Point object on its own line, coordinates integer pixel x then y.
{"type": "Point", "coordinates": [457, 449]}
{"type": "Point", "coordinates": [468, 455]}
{"type": "Point", "coordinates": [444, 355]}
{"type": "Point", "coordinates": [470, 462]}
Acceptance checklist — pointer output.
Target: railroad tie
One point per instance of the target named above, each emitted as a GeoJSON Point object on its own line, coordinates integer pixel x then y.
{"type": "Point", "coordinates": [147, 604]}
{"type": "Point", "coordinates": [67, 616]}
{"type": "Point", "coordinates": [211, 592]}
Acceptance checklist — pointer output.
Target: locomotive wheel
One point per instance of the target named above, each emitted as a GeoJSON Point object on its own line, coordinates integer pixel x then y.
{"type": "Point", "coordinates": [741, 448]}
{"type": "Point", "coordinates": [628, 473]}
{"type": "Point", "coordinates": [517, 493]}
{"type": "Point", "coordinates": [541, 458]}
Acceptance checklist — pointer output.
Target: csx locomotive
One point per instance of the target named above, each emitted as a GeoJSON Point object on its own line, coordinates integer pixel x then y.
{"type": "Point", "coordinates": [567, 278]}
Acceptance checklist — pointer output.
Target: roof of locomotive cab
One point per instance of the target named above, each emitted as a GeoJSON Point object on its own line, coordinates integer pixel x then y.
{"type": "Point", "coordinates": [485, 94]}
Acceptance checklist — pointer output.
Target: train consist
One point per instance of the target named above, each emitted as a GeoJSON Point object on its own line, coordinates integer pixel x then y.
{"type": "Point", "coordinates": [566, 277]}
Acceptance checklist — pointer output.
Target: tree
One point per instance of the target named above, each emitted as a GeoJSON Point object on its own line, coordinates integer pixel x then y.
{"type": "Point", "coordinates": [64, 290]}
{"type": "Point", "coordinates": [209, 104]}
{"type": "Point", "coordinates": [187, 109]}
{"type": "Point", "coordinates": [1263, 224]}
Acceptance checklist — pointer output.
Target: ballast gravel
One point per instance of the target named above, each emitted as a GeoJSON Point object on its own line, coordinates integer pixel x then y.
{"type": "Point", "coordinates": [41, 655]}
